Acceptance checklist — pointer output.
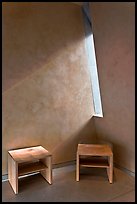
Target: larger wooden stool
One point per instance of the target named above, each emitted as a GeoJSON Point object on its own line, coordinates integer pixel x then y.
{"type": "Point", "coordinates": [28, 160]}
{"type": "Point", "coordinates": [95, 155]}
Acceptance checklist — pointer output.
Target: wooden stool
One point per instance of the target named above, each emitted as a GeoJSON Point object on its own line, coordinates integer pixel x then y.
{"type": "Point", "coordinates": [28, 160]}
{"type": "Point", "coordinates": [95, 155]}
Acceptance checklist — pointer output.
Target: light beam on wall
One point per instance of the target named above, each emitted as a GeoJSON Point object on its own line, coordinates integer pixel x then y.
{"type": "Point", "coordinates": [89, 41]}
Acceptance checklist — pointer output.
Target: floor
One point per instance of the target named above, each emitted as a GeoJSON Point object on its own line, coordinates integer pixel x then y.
{"type": "Point", "coordinates": [92, 187]}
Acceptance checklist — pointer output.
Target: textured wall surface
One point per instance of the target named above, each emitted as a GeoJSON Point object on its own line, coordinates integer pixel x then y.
{"type": "Point", "coordinates": [114, 34]}
{"type": "Point", "coordinates": [47, 97]}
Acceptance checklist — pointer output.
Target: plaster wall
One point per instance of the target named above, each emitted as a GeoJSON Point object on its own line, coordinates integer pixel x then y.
{"type": "Point", "coordinates": [114, 34]}
{"type": "Point", "coordinates": [47, 97]}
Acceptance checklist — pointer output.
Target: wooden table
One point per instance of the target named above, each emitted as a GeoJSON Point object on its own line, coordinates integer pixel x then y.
{"type": "Point", "coordinates": [29, 160]}
{"type": "Point", "coordinates": [95, 155]}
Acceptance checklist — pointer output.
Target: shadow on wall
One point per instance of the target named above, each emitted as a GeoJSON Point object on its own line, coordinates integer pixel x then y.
{"type": "Point", "coordinates": [86, 134]}
{"type": "Point", "coordinates": [34, 34]}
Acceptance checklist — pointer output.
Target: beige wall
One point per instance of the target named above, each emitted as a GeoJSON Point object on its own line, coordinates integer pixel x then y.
{"type": "Point", "coordinates": [46, 87]}
{"type": "Point", "coordinates": [114, 34]}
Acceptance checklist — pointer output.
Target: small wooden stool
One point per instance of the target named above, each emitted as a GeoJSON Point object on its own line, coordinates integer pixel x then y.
{"type": "Point", "coordinates": [29, 160]}
{"type": "Point", "coordinates": [95, 155]}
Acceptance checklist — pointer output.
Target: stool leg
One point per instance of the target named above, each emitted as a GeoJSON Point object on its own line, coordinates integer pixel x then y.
{"type": "Point", "coordinates": [77, 167]}
{"type": "Point", "coordinates": [13, 173]}
{"type": "Point", "coordinates": [47, 173]}
{"type": "Point", "coordinates": [110, 169]}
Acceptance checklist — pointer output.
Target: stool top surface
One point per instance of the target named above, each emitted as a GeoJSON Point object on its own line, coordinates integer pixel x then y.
{"type": "Point", "coordinates": [94, 150]}
{"type": "Point", "coordinates": [29, 154]}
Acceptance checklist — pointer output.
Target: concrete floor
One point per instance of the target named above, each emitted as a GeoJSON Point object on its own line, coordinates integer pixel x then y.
{"type": "Point", "coordinates": [92, 187]}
